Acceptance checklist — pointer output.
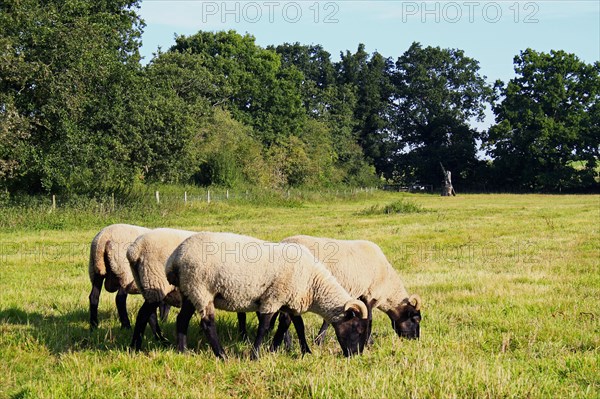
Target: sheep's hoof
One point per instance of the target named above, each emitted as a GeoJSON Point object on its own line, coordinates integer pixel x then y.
{"type": "Point", "coordinates": [181, 348]}
{"type": "Point", "coordinates": [244, 337]}
{"type": "Point", "coordinates": [135, 346]}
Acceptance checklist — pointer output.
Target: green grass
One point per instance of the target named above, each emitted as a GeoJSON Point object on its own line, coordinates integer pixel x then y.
{"type": "Point", "coordinates": [402, 206]}
{"type": "Point", "coordinates": [510, 283]}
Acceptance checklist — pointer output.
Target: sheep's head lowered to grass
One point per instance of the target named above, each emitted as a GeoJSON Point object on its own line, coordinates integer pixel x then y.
{"type": "Point", "coordinates": [353, 329]}
{"type": "Point", "coordinates": [406, 318]}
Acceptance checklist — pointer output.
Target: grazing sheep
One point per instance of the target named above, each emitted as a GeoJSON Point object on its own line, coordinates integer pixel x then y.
{"type": "Point", "coordinates": [108, 264]}
{"type": "Point", "coordinates": [147, 257]}
{"type": "Point", "coordinates": [242, 274]}
{"type": "Point", "coordinates": [363, 270]}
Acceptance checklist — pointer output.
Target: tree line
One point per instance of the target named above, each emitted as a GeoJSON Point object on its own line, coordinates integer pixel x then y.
{"type": "Point", "coordinates": [81, 114]}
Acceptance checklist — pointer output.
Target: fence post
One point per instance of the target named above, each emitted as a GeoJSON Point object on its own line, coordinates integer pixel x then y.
{"type": "Point", "coordinates": [185, 197]}
{"type": "Point", "coordinates": [157, 195]}
{"type": "Point", "coordinates": [208, 196]}
{"type": "Point", "coordinates": [112, 201]}
{"type": "Point", "coordinates": [227, 194]}
{"type": "Point", "coordinates": [53, 202]}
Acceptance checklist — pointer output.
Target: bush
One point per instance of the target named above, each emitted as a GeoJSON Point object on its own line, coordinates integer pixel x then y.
{"type": "Point", "coordinates": [403, 206]}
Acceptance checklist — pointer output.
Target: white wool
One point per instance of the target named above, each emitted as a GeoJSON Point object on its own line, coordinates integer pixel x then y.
{"type": "Point", "coordinates": [119, 237]}
{"type": "Point", "coordinates": [147, 257]}
{"type": "Point", "coordinates": [361, 268]}
{"type": "Point", "coordinates": [244, 274]}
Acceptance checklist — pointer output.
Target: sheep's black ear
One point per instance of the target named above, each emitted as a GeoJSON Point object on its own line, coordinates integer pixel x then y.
{"type": "Point", "coordinates": [351, 313]}
{"type": "Point", "coordinates": [358, 307]}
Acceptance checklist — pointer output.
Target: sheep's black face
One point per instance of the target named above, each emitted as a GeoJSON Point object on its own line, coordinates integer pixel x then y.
{"type": "Point", "coordinates": [352, 333]}
{"type": "Point", "coordinates": [406, 321]}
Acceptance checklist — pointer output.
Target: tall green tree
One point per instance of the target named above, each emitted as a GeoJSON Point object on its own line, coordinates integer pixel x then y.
{"type": "Point", "coordinates": [437, 92]}
{"type": "Point", "coordinates": [257, 89]}
{"type": "Point", "coordinates": [547, 132]}
{"type": "Point", "coordinates": [173, 104]}
{"type": "Point", "coordinates": [67, 67]}
{"type": "Point", "coordinates": [370, 78]}
{"type": "Point", "coordinates": [332, 102]}
{"type": "Point", "coordinates": [319, 75]}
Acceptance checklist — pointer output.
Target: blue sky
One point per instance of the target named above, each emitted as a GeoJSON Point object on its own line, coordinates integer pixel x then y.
{"type": "Point", "coordinates": [492, 32]}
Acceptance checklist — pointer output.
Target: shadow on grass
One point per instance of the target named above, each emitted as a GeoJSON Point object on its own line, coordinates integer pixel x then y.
{"type": "Point", "coordinates": [69, 331]}
{"type": "Point", "coordinates": [227, 331]}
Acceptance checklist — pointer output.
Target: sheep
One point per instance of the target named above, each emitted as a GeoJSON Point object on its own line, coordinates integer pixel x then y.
{"type": "Point", "coordinates": [363, 270]}
{"type": "Point", "coordinates": [147, 257]}
{"type": "Point", "coordinates": [108, 264]}
{"type": "Point", "coordinates": [241, 274]}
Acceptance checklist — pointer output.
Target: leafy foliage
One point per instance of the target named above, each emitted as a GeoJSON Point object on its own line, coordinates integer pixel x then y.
{"type": "Point", "coordinates": [66, 70]}
{"type": "Point", "coordinates": [257, 89]}
{"type": "Point", "coordinates": [80, 115]}
{"type": "Point", "coordinates": [547, 120]}
{"type": "Point", "coordinates": [437, 92]}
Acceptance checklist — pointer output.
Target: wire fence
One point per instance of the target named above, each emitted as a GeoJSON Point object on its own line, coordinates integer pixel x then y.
{"type": "Point", "coordinates": [217, 195]}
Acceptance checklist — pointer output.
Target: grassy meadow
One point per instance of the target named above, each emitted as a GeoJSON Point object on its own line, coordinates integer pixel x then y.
{"type": "Point", "coordinates": [510, 284]}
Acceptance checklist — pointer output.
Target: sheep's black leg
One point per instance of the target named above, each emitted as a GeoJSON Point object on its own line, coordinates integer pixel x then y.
{"type": "Point", "coordinates": [144, 315]}
{"type": "Point", "coordinates": [155, 327]}
{"type": "Point", "coordinates": [164, 309]}
{"type": "Point", "coordinates": [242, 326]}
{"type": "Point", "coordinates": [264, 321]}
{"type": "Point", "coordinates": [121, 301]}
{"type": "Point", "coordinates": [95, 300]}
{"type": "Point", "coordinates": [282, 330]}
{"type": "Point", "coordinates": [321, 335]}
{"type": "Point", "coordinates": [272, 322]}
{"type": "Point", "coordinates": [299, 326]}
{"type": "Point", "coordinates": [287, 339]}
{"type": "Point", "coordinates": [183, 322]}
{"type": "Point", "coordinates": [370, 318]}
{"type": "Point", "coordinates": [369, 336]}
{"type": "Point", "coordinates": [210, 329]}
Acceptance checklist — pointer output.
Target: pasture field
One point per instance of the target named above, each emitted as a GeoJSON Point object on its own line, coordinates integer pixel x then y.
{"type": "Point", "coordinates": [510, 284]}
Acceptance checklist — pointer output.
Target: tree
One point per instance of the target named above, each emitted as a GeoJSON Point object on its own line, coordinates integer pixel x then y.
{"type": "Point", "coordinates": [227, 154]}
{"type": "Point", "coordinates": [330, 100]}
{"type": "Point", "coordinates": [437, 92]}
{"type": "Point", "coordinates": [66, 70]}
{"type": "Point", "coordinates": [172, 107]}
{"type": "Point", "coordinates": [370, 78]}
{"type": "Point", "coordinates": [547, 132]}
{"type": "Point", "coordinates": [256, 88]}
{"type": "Point", "coordinates": [318, 72]}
